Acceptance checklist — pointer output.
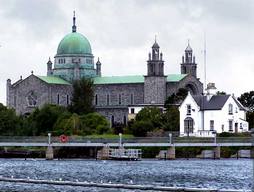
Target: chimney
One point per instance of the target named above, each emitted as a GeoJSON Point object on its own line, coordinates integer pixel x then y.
{"type": "Point", "coordinates": [211, 90]}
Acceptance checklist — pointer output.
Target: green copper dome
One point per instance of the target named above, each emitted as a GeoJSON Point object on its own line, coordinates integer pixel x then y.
{"type": "Point", "coordinates": [74, 43]}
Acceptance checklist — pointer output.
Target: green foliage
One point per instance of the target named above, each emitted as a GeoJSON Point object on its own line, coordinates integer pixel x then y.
{"type": "Point", "coordinates": [171, 119]}
{"type": "Point", "coordinates": [43, 120]}
{"type": "Point", "coordinates": [73, 124]}
{"type": "Point", "coordinates": [247, 100]}
{"type": "Point", "coordinates": [152, 118]}
{"type": "Point", "coordinates": [151, 114]}
{"type": "Point", "coordinates": [94, 123]}
{"type": "Point", "coordinates": [176, 98]}
{"type": "Point", "coordinates": [250, 119]}
{"type": "Point", "coordinates": [9, 121]}
{"type": "Point", "coordinates": [140, 128]}
{"type": "Point", "coordinates": [82, 98]}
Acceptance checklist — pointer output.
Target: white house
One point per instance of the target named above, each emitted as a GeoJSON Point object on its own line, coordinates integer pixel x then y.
{"type": "Point", "coordinates": [203, 116]}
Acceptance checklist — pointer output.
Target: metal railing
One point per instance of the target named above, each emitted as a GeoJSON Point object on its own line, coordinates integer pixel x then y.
{"type": "Point", "coordinates": [75, 139]}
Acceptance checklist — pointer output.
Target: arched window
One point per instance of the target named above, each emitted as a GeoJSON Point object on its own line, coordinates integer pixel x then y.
{"type": "Point", "coordinates": [119, 99]}
{"type": "Point", "coordinates": [96, 99]}
{"type": "Point", "coordinates": [108, 99]}
{"type": "Point", "coordinates": [124, 120]}
{"type": "Point", "coordinates": [58, 99]}
{"type": "Point", "coordinates": [230, 109]}
{"type": "Point", "coordinates": [188, 125]}
{"type": "Point", "coordinates": [67, 99]}
{"type": "Point", "coordinates": [112, 121]}
{"type": "Point", "coordinates": [132, 99]}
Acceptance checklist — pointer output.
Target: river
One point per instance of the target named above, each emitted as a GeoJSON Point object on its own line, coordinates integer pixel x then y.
{"type": "Point", "coordinates": [221, 174]}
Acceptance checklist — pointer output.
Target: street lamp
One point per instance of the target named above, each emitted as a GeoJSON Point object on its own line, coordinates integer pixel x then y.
{"type": "Point", "coordinates": [170, 138]}
{"type": "Point", "coordinates": [49, 138]}
{"type": "Point", "coordinates": [120, 140]}
{"type": "Point", "coordinates": [215, 136]}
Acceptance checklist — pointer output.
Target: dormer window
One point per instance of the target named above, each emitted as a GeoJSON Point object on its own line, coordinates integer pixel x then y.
{"type": "Point", "coordinates": [230, 109]}
{"type": "Point", "coordinates": [188, 109]}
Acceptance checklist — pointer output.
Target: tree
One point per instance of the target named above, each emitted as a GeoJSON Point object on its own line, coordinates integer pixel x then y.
{"type": "Point", "coordinates": [151, 114]}
{"type": "Point", "coordinates": [94, 123]}
{"type": "Point", "coordinates": [43, 120]}
{"type": "Point", "coordinates": [82, 98]}
{"type": "Point", "coordinates": [171, 119]}
{"type": "Point", "coordinates": [247, 100]}
{"type": "Point", "coordinates": [10, 123]}
{"type": "Point", "coordinates": [73, 124]}
{"type": "Point", "coordinates": [140, 128]}
{"type": "Point", "coordinates": [250, 119]}
{"type": "Point", "coordinates": [176, 98]}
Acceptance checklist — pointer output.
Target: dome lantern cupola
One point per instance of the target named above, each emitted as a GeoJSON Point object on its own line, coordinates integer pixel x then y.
{"type": "Point", "coordinates": [74, 58]}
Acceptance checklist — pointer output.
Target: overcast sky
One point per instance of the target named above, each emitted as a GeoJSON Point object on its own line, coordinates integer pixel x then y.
{"type": "Point", "coordinates": [121, 33]}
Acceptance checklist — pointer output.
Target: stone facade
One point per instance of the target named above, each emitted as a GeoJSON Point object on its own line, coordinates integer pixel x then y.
{"type": "Point", "coordinates": [25, 95]}
{"type": "Point", "coordinates": [112, 96]}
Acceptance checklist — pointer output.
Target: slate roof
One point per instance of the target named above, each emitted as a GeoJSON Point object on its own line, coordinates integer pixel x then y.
{"type": "Point", "coordinates": [241, 107]}
{"type": "Point", "coordinates": [215, 103]}
{"type": "Point", "coordinates": [133, 79]}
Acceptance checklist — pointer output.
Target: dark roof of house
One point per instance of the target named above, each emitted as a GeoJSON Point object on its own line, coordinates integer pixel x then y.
{"type": "Point", "coordinates": [241, 107]}
{"type": "Point", "coordinates": [215, 103]}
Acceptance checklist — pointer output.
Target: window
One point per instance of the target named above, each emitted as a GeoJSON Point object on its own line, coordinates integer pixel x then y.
{"type": "Point", "coordinates": [236, 110]}
{"type": "Point", "coordinates": [96, 99]}
{"type": "Point", "coordinates": [241, 126]}
{"type": "Point", "coordinates": [124, 120]}
{"type": "Point", "coordinates": [211, 125]}
{"type": "Point", "coordinates": [67, 99]}
{"type": "Point", "coordinates": [108, 99]}
{"type": "Point", "coordinates": [230, 125]}
{"type": "Point", "coordinates": [230, 109]}
{"type": "Point", "coordinates": [58, 99]}
{"type": "Point", "coordinates": [112, 120]}
{"type": "Point", "coordinates": [132, 110]}
{"type": "Point", "coordinates": [132, 99]}
{"type": "Point", "coordinates": [119, 99]}
{"type": "Point", "coordinates": [188, 109]}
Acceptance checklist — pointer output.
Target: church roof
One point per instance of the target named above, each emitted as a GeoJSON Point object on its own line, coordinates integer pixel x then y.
{"type": "Point", "coordinates": [53, 80]}
{"type": "Point", "coordinates": [133, 79]}
{"type": "Point", "coordinates": [74, 43]}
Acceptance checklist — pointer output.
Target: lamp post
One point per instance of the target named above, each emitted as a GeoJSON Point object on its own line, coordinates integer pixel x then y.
{"type": "Point", "coordinates": [215, 136]}
{"type": "Point", "coordinates": [170, 138]}
{"type": "Point", "coordinates": [49, 138]}
{"type": "Point", "coordinates": [120, 140]}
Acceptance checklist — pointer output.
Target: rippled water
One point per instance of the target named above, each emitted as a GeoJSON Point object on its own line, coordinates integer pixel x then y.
{"type": "Point", "coordinates": [222, 174]}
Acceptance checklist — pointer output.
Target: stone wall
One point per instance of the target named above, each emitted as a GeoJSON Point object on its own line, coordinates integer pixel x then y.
{"type": "Point", "coordinates": [25, 95]}
{"type": "Point", "coordinates": [155, 89]}
{"type": "Point", "coordinates": [116, 92]}
{"type": "Point", "coordinates": [189, 82]}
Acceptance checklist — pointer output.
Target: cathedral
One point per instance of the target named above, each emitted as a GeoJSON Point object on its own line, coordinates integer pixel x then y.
{"type": "Point", "coordinates": [115, 97]}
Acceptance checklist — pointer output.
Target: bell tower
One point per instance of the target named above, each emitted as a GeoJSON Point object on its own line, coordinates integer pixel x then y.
{"type": "Point", "coordinates": [188, 65]}
{"type": "Point", "coordinates": [155, 64]}
{"type": "Point", "coordinates": [155, 81]}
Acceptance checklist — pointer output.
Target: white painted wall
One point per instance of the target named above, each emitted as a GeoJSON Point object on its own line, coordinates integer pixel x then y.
{"type": "Point", "coordinates": [221, 118]}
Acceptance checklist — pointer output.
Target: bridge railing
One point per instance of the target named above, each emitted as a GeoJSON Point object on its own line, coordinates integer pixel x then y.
{"type": "Point", "coordinates": [78, 139]}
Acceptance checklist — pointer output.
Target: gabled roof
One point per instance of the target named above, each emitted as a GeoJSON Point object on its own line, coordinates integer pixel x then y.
{"type": "Point", "coordinates": [241, 107]}
{"type": "Point", "coordinates": [215, 103]}
{"type": "Point", "coordinates": [53, 80]}
{"type": "Point", "coordinates": [133, 79]}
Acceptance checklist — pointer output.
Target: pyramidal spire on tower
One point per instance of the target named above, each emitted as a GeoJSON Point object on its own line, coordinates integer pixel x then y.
{"type": "Point", "coordinates": [74, 28]}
